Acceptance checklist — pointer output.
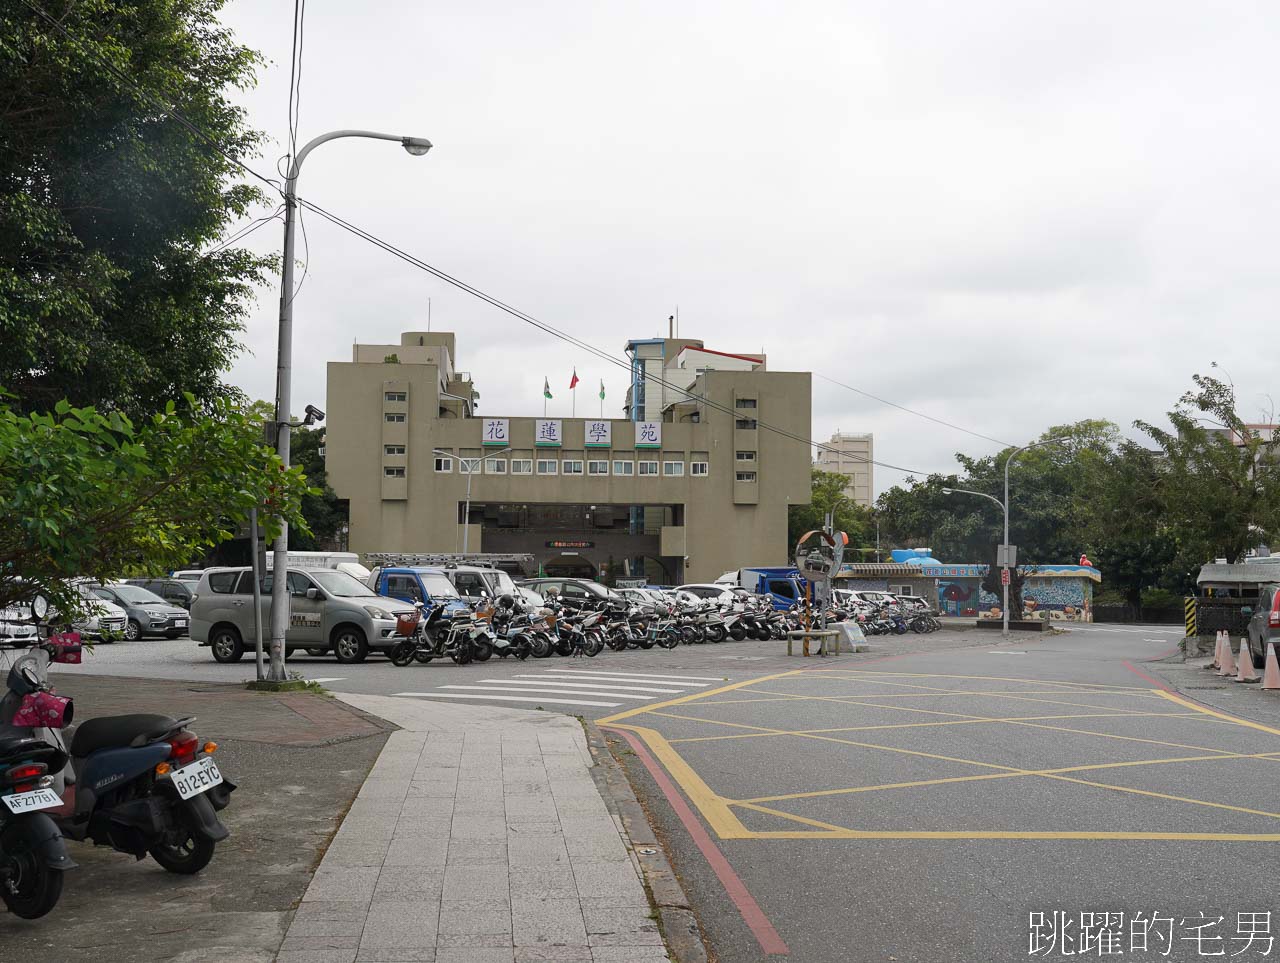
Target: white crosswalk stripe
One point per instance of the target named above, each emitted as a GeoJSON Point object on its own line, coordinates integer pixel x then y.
{"type": "Point", "coordinates": [565, 687]}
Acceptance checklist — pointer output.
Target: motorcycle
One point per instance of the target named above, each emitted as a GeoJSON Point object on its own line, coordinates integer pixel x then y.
{"type": "Point", "coordinates": [440, 634]}
{"type": "Point", "coordinates": [33, 856]}
{"type": "Point", "coordinates": [142, 784]}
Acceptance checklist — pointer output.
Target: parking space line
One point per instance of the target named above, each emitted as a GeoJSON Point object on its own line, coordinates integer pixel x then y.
{"type": "Point", "coordinates": [1217, 715]}
{"type": "Point", "coordinates": [629, 697]}
{"type": "Point", "coordinates": [989, 678]}
{"type": "Point", "coordinates": [855, 701]}
{"type": "Point", "coordinates": [915, 725]}
{"type": "Point", "coordinates": [733, 686]}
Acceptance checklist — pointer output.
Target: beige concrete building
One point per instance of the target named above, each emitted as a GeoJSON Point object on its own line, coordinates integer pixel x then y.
{"type": "Point", "coordinates": [684, 489]}
{"type": "Point", "coordinates": [852, 457]}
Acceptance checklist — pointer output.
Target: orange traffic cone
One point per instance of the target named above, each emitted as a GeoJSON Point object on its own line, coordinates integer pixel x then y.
{"type": "Point", "coordinates": [1226, 662]}
{"type": "Point", "coordinates": [1217, 652]}
{"type": "Point", "coordinates": [1271, 672]}
{"type": "Point", "coordinates": [1246, 673]}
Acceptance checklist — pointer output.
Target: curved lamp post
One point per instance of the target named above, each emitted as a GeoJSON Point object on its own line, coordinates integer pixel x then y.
{"type": "Point", "coordinates": [466, 512]}
{"type": "Point", "coordinates": [417, 146]}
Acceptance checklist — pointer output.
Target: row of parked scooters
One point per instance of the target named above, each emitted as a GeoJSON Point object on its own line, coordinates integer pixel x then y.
{"type": "Point", "coordinates": [142, 784]}
{"type": "Point", "coordinates": [506, 627]}
{"type": "Point", "coordinates": [886, 618]}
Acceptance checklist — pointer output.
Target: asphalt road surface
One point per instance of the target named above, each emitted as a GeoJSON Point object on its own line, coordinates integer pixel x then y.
{"type": "Point", "coordinates": [922, 808]}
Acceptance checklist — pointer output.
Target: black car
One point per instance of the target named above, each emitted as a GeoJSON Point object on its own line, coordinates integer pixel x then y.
{"type": "Point", "coordinates": [172, 590]}
{"type": "Point", "coordinates": [574, 591]}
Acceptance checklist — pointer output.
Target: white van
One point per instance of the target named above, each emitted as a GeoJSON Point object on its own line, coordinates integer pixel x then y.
{"type": "Point", "coordinates": [348, 562]}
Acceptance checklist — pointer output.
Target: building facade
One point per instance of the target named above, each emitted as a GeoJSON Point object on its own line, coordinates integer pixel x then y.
{"type": "Point", "coordinates": [685, 488]}
{"type": "Point", "coordinates": [851, 455]}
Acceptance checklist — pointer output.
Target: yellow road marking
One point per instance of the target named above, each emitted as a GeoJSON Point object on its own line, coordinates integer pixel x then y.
{"type": "Point", "coordinates": [916, 725]}
{"type": "Point", "coordinates": [714, 808]}
{"type": "Point", "coordinates": [1001, 834]}
{"type": "Point", "coordinates": [794, 818]}
{"type": "Point", "coordinates": [985, 678]}
{"type": "Point", "coordinates": [640, 710]}
{"type": "Point", "coordinates": [1050, 702]}
{"type": "Point", "coordinates": [1217, 715]}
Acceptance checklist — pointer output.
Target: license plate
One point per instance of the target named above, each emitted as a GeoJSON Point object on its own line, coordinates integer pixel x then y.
{"type": "Point", "coordinates": [179, 623]}
{"type": "Point", "coordinates": [28, 802]}
{"type": "Point", "coordinates": [196, 778]}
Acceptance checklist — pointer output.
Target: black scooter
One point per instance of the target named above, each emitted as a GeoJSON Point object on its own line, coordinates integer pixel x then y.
{"type": "Point", "coordinates": [33, 856]}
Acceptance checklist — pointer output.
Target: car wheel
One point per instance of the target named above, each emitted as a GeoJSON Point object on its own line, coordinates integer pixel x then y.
{"type": "Point", "coordinates": [349, 645]}
{"type": "Point", "coordinates": [317, 651]}
{"type": "Point", "coordinates": [133, 630]}
{"type": "Point", "coordinates": [226, 644]}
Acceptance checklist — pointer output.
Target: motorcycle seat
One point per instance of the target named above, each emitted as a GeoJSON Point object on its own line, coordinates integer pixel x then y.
{"type": "Point", "coordinates": [114, 732]}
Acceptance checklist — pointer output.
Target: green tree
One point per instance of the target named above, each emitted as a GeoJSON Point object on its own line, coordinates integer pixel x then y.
{"type": "Point", "coordinates": [324, 512]}
{"type": "Point", "coordinates": [91, 494]}
{"type": "Point", "coordinates": [828, 495]}
{"type": "Point", "coordinates": [106, 204]}
{"type": "Point", "coordinates": [1218, 479]}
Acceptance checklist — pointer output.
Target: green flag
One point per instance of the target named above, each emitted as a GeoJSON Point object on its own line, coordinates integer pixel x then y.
{"type": "Point", "coordinates": [546, 388]}
{"type": "Point", "coordinates": [602, 389]}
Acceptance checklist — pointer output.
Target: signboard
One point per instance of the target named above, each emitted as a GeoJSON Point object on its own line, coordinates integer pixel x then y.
{"type": "Point", "coordinates": [598, 434]}
{"type": "Point", "coordinates": [1004, 576]}
{"type": "Point", "coordinates": [1007, 556]}
{"type": "Point", "coordinates": [546, 434]}
{"type": "Point", "coordinates": [570, 544]}
{"type": "Point", "coordinates": [648, 434]}
{"type": "Point", "coordinates": [496, 431]}
{"type": "Point", "coordinates": [630, 583]}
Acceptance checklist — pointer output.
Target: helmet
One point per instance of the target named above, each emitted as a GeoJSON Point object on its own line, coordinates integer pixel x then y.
{"type": "Point", "coordinates": [506, 601]}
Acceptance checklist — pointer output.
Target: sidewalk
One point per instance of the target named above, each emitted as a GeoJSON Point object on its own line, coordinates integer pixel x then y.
{"type": "Point", "coordinates": [479, 837]}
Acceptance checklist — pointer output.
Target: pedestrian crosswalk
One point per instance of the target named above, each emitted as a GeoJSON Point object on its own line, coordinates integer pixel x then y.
{"type": "Point", "coordinates": [572, 687]}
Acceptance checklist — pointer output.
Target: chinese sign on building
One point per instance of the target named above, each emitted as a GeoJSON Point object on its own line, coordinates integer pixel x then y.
{"type": "Point", "coordinates": [546, 433]}
{"type": "Point", "coordinates": [648, 434]}
{"type": "Point", "coordinates": [496, 431]}
{"type": "Point", "coordinates": [598, 434]}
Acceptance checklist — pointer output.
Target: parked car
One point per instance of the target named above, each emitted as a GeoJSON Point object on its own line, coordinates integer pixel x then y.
{"type": "Point", "coordinates": [573, 591]}
{"type": "Point", "coordinates": [328, 611]}
{"type": "Point", "coordinates": [16, 625]}
{"type": "Point", "coordinates": [714, 591]}
{"type": "Point", "coordinates": [147, 613]}
{"type": "Point", "coordinates": [98, 618]}
{"type": "Point", "coordinates": [1264, 623]}
{"type": "Point", "coordinates": [475, 582]}
{"type": "Point", "coordinates": [173, 590]}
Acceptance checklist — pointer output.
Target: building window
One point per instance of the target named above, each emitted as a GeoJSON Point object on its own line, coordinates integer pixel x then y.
{"type": "Point", "coordinates": [444, 464]}
{"type": "Point", "coordinates": [468, 466]}
{"type": "Point", "coordinates": [673, 469]}
{"type": "Point", "coordinates": [393, 472]}
{"type": "Point", "coordinates": [546, 466]}
{"type": "Point", "coordinates": [522, 466]}
{"type": "Point", "coordinates": [746, 424]}
{"type": "Point", "coordinates": [396, 396]}
{"type": "Point", "coordinates": [571, 466]}
{"type": "Point", "coordinates": [746, 476]}
{"type": "Point", "coordinates": [746, 456]}
{"type": "Point", "coordinates": [393, 449]}
{"type": "Point", "coordinates": [624, 468]}
{"type": "Point", "coordinates": [648, 468]}
{"type": "Point", "coordinates": [394, 418]}
{"type": "Point", "coordinates": [597, 468]}
{"type": "Point", "coordinates": [745, 403]}
{"type": "Point", "coordinates": [495, 466]}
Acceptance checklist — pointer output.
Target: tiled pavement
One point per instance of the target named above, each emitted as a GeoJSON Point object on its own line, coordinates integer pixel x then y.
{"type": "Point", "coordinates": [479, 837]}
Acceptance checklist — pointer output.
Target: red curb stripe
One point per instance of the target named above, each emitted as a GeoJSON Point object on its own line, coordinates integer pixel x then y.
{"type": "Point", "coordinates": [752, 914]}
{"type": "Point", "coordinates": [1154, 681]}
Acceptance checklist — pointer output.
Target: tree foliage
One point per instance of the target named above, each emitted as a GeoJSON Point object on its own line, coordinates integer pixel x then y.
{"type": "Point", "coordinates": [324, 512]}
{"type": "Point", "coordinates": [91, 494]}
{"type": "Point", "coordinates": [106, 204]}
{"type": "Point", "coordinates": [828, 495]}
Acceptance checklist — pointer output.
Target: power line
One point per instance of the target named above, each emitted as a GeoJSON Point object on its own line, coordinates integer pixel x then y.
{"type": "Point", "coordinates": [155, 101]}
{"type": "Point", "coordinates": [244, 232]}
{"type": "Point", "coordinates": [912, 411]}
{"type": "Point", "coordinates": [570, 339]}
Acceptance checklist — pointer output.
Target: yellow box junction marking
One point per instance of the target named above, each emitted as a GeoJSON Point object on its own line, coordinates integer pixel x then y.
{"type": "Point", "coordinates": [718, 812]}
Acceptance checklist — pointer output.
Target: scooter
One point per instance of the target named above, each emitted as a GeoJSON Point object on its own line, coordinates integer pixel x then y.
{"type": "Point", "coordinates": [33, 856]}
{"type": "Point", "coordinates": [141, 784]}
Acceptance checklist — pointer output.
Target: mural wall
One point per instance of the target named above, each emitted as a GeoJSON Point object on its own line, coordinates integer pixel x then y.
{"type": "Point", "coordinates": [1060, 598]}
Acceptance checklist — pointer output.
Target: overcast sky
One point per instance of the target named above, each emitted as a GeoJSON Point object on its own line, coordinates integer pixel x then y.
{"type": "Point", "coordinates": [1008, 215]}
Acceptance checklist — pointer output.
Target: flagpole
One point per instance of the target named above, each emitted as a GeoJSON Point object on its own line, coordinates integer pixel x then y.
{"type": "Point", "coordinates": [573, 409]}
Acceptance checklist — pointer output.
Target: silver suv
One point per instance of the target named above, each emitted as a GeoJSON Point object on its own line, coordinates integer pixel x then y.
{"type": "Point", "coordinates": [328, 611]}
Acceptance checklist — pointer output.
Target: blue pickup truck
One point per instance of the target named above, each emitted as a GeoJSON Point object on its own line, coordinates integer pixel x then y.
{"type": "Point", "coordinates": [783, 585]}
{"type": "Point", "coordinates": [429, 586]}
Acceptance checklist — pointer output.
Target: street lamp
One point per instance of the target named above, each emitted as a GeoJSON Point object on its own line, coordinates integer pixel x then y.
{"type": "Point", "coordinates": [1004, 608]}
{"type": "Point", "coordinates": [466, 512]}
{"type": "Point", "coordinates": [417, 146]}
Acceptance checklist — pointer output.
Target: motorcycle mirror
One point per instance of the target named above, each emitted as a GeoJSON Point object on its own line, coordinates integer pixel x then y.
{"type": "Point", "coordinates": [39, 607]}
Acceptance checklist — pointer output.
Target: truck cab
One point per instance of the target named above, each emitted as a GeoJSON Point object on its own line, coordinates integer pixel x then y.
{"type": "Point", "coordinates": [412, 583]}
{"type": "Point", "coordinates": [783, 585]}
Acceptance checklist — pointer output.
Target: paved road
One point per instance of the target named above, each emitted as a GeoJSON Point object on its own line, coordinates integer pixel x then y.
{"type": "Point", "coordinates": [920, 808]}
{"type": "Point", "coordinates": [590, 687]}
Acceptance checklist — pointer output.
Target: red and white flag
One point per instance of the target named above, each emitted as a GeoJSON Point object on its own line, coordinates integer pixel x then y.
{"type": "Point", "coordinates": [573, 382]}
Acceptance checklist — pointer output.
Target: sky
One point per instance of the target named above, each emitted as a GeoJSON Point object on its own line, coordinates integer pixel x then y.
{"type": "Point", "coordinates": [1006, 215]}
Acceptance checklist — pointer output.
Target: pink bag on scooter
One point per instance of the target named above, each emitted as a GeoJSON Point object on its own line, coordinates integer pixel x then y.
{"type": "Point", "coordinates": [66, 648]}
{"type": "Point", "coordinates": [44, 709]}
